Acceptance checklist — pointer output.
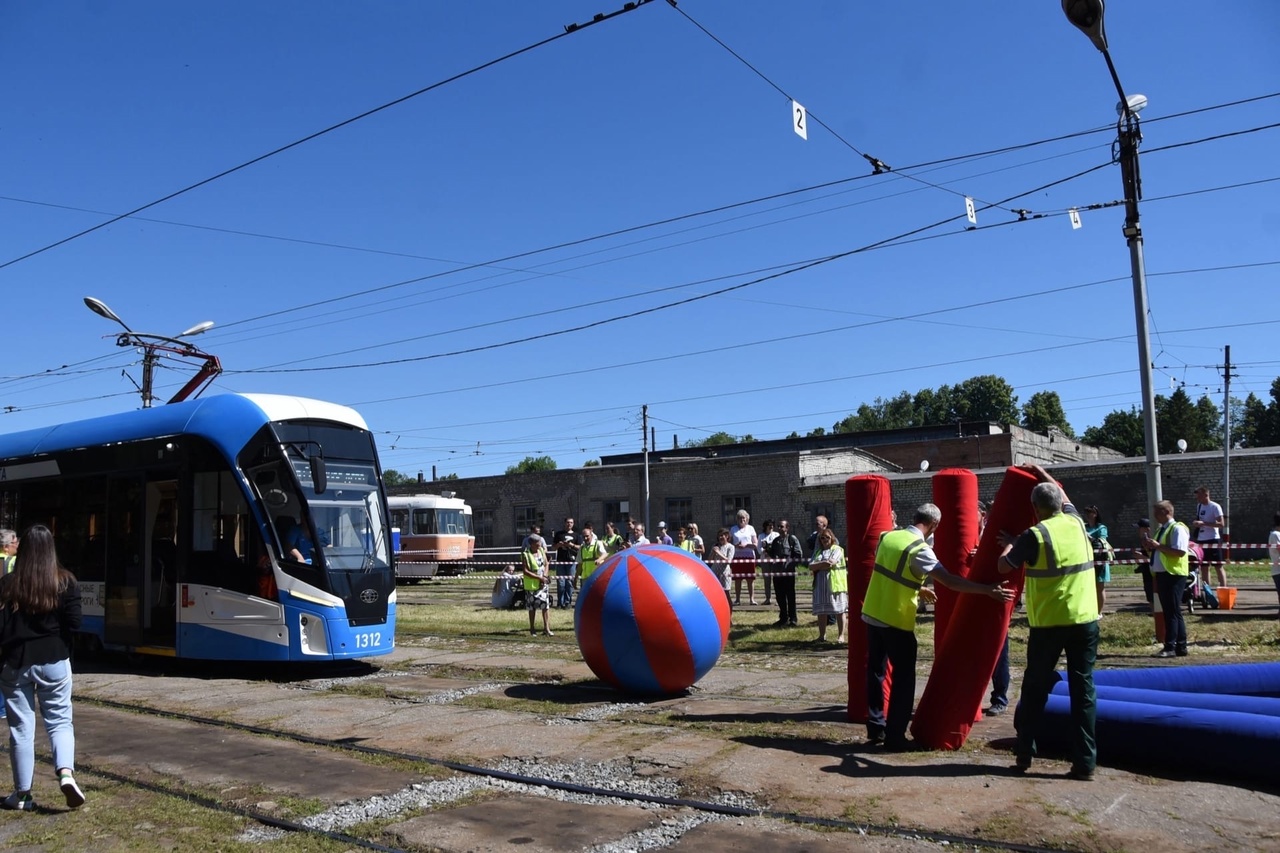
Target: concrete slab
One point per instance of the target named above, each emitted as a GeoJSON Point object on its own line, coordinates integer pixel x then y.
{"type": "Point", "coordinates": [153, 747]}
{"type": "Point", "coordinates": [528, 823]}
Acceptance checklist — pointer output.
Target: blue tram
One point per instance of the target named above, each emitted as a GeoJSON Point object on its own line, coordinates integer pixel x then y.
{"type": "Point", "coordinates": [233, 527]}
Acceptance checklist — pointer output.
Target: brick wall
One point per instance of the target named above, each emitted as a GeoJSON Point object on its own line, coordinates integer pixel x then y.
{"type": "Point", "coordinates": [797, 486]}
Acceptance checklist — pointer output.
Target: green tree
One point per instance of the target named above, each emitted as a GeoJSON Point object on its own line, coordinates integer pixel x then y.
{"type": "Point", "coordinates": [1178, 418]}
{"type": "Point", "coordinates": [449, 477]}
{"type": "Point", "coordinates": [1255, 428]}
{"type": "Point", "coordinates": [714, 440]}
{"type": "Point", "coordinates": [392, 477]}
{"type": "Point", "coordinates": [529, 464]}
{"type": "Point", "coordinates": [1044, 410]}
{"type": "Point", "coordinates": [1119, 430]}
{"type": "Point", "coordinates": [932, 407]}
{"type": "Point", "coordinates": [817, 431]}
{"type": "Point", "coordinates": [591, 463]}
{"type": "Point", "coordinates": [985, 398]}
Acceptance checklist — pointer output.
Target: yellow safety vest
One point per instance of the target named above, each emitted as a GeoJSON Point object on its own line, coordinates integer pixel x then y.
{"type": "Point", "coordinates": [894, 591]}
{"type": "Point", "coordinates": [838, 575]}
{"type": "Point", "coordinates": [591, 555]}
{"type": "Point", "coordinates": [531, 563]}
{"type": "Point", "coordinates": [686, 545]}
{"type": "Point", "coordinates": [1061, 587]}
{"type": "Point", "coordinates": [1174, 565]}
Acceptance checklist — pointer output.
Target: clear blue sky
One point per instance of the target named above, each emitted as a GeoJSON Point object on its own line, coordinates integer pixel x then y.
{"type": "Point", "coordinates": [362, 246]}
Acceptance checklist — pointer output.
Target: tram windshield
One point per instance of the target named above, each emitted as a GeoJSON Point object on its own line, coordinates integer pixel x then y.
{"type": "Point", "coordinates": [319, 485]}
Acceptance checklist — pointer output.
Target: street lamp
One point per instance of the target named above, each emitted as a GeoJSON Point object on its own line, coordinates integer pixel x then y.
{"type": "Point", "coordinates": [152, 345]}
{"type": "Point", "coordinates": [1087, 16]}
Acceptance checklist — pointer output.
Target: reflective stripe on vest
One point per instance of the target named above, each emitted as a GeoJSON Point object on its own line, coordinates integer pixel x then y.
{"type": "Point", "coordinates": [1174, 565]}
{"type": "Point", "coordinates": [1061, 586]}
{"type": "Point", "coordinates": [894, 592]}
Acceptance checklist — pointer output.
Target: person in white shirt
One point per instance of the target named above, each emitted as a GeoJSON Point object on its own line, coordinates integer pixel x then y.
{"type": "Point", "coordinates": [1208, 531]}
{"type": "Point", "coordinates": [1168, 549]}
{"type": "Point", "coordinates": [747, 548]}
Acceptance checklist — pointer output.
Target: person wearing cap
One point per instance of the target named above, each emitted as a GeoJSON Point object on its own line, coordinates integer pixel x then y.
{"type": "Point", "coordinates": [1062, 610]}
{"type": "Point", "coordinates": [1208, 531]}
{"type": "Point", "coordinates": [1171, 568]}
{"type": "Point", "coordinates": [661, 538]}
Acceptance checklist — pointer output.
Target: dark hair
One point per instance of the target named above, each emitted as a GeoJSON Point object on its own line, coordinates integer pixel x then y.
{"type": "Point", "coordinates": [38, 579]}
{"type": "Point", "coordinates": [1096, 512]}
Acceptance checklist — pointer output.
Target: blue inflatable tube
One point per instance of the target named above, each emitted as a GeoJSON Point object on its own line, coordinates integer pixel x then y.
{"type": "Point", "coordinates": [1239, 679]}
{"type": "Point", "coordinates": [1218, 721]}
{"type": "Point", "coordinates": [1207, 701]}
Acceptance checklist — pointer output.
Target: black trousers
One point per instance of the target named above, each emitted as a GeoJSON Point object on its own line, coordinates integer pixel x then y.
{"type": "Point", "coordinates": [784, 589]}
{"type": "Point", "coordinates": [1044, 647]}
{"type": "Point", "coordinates": [897, 647]}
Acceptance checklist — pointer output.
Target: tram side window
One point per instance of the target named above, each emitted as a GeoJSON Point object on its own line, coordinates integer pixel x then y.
{"type": "Point", "coordinates": [220, 531]}
{"type": "Point", "coordinates": [424, 522]}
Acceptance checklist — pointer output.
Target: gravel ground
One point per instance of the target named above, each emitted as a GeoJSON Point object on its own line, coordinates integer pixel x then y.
{"type": "Point", "coordinates": [606, 776]}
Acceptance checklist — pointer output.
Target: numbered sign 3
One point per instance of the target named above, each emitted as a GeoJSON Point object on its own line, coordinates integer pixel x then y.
{"type": "Point", "coordinates": [800, 119]}
{"type": "Point", "coordinates": [969, 211]}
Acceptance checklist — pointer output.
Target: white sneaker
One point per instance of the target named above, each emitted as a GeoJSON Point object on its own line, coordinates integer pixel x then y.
{"type": "Point", "coordinates": [18, 802]}
{"type": "Point", "coordinates": [70, 790]}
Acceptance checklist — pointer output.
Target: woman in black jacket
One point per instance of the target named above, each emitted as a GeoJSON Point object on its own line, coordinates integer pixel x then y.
{"type": "Point", "coordinates": [39, 608]}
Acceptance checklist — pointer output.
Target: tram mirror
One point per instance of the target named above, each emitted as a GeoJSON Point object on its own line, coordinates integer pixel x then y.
{"type": "Point", "coordinates": [319, 479]}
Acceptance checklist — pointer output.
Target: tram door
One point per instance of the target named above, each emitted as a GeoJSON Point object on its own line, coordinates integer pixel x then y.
{"type": "Point", "coordinates": [159, 582]}
{"type": "Point", "coordinates": [123, 559]}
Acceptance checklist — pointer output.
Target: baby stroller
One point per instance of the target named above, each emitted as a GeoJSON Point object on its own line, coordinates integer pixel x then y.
{"type": "Point", "coordinates": [1199, 590]}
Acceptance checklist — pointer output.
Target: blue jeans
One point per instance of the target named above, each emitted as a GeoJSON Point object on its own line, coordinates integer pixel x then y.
{"type": "Point", "coordinates": [564, 591]}
{"type": "Point", "coordinates": [1000, 678]}
{"type": "Point", "coordinates": [52, 683]}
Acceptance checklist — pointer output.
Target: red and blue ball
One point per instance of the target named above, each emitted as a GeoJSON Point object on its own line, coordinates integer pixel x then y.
{"type": "Point", "coordinates": [652, 619]}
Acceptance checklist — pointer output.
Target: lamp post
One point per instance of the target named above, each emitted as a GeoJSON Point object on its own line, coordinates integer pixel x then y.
{"type": "Point", "coordinates": [1087, 16]}
{"type": "Point", "coordinates": [152, 345]}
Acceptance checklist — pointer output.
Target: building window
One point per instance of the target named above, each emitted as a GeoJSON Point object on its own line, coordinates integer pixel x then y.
{"type": "Point", "coordinates": [733, 503]}
{"type": "Point", "coordinates": [483, 522]}
{"type": "Point", "coordinates": [527, 516]}
{"type": "Point", "coordinates": [619, 512]}
{"type": "Point", "coordinates": [679, 512]}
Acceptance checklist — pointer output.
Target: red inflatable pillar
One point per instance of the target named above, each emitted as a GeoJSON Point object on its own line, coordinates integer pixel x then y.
{"type": "Point", "coordinates": [868, 514]}
{"type": "Point", "coordinates": [955, 492]}
{"type": "Point", "coordinates": [976, 630]}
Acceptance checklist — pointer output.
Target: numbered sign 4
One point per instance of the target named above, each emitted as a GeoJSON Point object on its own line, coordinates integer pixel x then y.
{"type": "Point", "coordinates": [800, 120]}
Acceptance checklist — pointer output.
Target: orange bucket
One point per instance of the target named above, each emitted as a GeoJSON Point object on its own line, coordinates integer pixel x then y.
{"type": "Point", "coordinates": [1227, 597]}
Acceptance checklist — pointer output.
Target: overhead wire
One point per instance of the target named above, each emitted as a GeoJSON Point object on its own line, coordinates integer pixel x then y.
{"type": "Point", "coordinates": [327, 130]}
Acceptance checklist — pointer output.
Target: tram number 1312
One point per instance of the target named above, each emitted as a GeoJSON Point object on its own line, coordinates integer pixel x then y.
{"type": "Point", "coordinates": [368, 641]}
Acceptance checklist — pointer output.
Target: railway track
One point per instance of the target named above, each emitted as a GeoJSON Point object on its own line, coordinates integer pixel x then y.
{"type": "Point", "coordinates": [696, 811]}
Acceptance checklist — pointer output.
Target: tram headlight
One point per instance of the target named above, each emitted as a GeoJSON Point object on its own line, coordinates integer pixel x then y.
{"type": "Point", "coordinates": [312, 638]}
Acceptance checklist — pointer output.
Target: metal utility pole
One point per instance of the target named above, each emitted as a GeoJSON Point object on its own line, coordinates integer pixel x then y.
{"type": "Point", "coordinates": [1087, 16]}
{"type": "Point", "coordinates": [1226, 450]}
{"type": "Point", "coordinates": [644, 437]}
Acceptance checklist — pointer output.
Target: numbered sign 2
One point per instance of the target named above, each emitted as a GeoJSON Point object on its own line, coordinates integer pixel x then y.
{"type": "Point", "coordinates": [800, 120]}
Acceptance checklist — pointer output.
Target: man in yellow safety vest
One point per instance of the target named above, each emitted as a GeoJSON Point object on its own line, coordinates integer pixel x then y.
{"type": "Point", "coordinates": [1062, 609]}
{"type": "Point", "coordinates": [903, 560]}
